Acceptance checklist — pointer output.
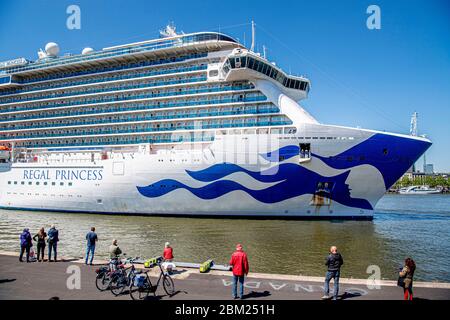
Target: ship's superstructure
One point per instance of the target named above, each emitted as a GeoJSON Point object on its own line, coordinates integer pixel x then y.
{"type": "Point", "coordinates": [185, 124]}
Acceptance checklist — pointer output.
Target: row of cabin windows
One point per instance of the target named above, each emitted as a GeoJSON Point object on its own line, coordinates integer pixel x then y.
{"type": "Point", "coordinates": [124, 96]}
{"type": "Point", "coordinates": [37, 183]}
{"type": "Point", "coordinates": [186, 113]}
{"type": "Point", "coordinates": [107, 87]}
{"type": "Point", "coordinates": [109, 67]}
{"type": "Point", "coordinates": [124, 106]}
{"type": "Point", "coordinates": [107, 77]}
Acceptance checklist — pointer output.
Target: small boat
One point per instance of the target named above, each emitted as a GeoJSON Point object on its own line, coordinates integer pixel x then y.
{"type": "Point", "coordinates": [419, 190]}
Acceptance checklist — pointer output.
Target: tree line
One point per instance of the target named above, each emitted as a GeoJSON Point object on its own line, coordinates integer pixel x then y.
{"type": "Point", "coordinates": [431, 180]}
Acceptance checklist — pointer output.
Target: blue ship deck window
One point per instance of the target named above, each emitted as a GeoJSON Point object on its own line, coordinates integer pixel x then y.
{"type": "Point", "coordinates": [5, 79]}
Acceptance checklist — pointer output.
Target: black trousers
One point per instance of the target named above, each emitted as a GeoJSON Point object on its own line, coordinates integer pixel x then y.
{"type": "Point", "coordinates": [22, 250]}
{"type": "Point", "coordinates": [40, 250]}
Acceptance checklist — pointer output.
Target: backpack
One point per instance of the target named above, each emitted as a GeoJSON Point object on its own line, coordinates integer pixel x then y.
{"type": "Point", "coordinates": [32, 256]}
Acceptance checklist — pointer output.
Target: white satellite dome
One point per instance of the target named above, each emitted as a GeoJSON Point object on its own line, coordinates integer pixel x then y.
{"type": "Point", "coordinates": [51, 49]}
{"type": "Point", "coordinates": [87, 50]}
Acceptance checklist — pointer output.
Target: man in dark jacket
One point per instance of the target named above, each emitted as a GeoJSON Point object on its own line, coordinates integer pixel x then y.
{"type": "Point", "coordinates": [239, 262]}
{"type": "Point", "coordinates": [91, 239]}
{"type": "Point", "coordinates": [334, 262]}
{"type": "Point", "coordinates": [53, 238]}
{"type": "Point", "coordinates": [25, 244]}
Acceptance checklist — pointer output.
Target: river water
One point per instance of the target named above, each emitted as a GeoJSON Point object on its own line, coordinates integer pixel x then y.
{"type": "Point", "coordinates": [408, 225]}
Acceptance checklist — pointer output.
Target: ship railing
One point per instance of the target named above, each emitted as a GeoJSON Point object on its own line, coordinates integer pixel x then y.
{"type": "Point", "coordinates": [99, 79]}
{"type": "Point", "coordinates": [188, 103]}
{"type": "Point", "coordinates": [146, 118]}
{"type": "Point", "coordinates": [111, 89]}
{"type": "Point", "coordinates": [128, 96]}
{"type": "Point", "coordinates": [238, 123]}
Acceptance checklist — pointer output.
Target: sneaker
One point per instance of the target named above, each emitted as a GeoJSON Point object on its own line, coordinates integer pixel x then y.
{"type": "Point", "coordinates": [235, 297]}
{"type": "Point", "coordinates": [325, 297]}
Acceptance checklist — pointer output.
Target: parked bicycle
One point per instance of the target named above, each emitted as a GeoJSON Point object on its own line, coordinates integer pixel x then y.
{"type": "Point", "coordinates": [122, 277]}
{"type": "Point", "coordinates": [141, 286]}
{"type": "Point", "coordinates": [104, 273]}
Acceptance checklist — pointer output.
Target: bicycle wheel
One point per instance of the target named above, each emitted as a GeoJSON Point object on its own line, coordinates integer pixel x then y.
{"type": "Point", "coordinates": [118, 283]}
{"type": "Point", "coordinates": [168, 285]}
{"type": "Point", "coordinates": [140, 293]}
{"type": "Point", "coordinates": [102, 281]}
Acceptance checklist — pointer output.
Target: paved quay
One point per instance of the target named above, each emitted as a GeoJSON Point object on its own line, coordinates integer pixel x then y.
{"type": "Point", "coordinates": [45, 280]}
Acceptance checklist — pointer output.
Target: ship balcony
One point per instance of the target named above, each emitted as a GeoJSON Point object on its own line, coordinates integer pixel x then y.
{"type": "Point", "coordinates": [8, 81]}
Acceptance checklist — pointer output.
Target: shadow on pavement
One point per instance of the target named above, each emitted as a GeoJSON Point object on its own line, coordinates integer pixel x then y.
{"type": "Point", "coordinates": [349, 295]}
{"type": "Point", "coordinates": [68, 260]}
{"type": "Point", "coordinates": [7, 280]}
{"type": "Point", "coordinates": [175, 293]}
{"type": "Point", "coordinates": [255, 294]}
{"type": "Point", "coordinates": [174, 272]}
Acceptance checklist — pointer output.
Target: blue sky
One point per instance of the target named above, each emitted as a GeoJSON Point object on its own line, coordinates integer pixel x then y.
{"type": "Point", "coordinates": [370, 78]}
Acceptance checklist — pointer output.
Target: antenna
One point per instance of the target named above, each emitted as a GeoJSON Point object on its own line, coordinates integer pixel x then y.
{"type": "Point", "coordinates": [413, 130]}
{"type": "Point", "coordinates": [264, 51]}
{"type": "Point", "coordinates": [252, 48]}
{"type": "Point", "coordinates": [169, 31]}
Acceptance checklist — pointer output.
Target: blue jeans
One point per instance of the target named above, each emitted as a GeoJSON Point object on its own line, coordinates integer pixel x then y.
{"type": "Point", "coordinates": [332, 275]}
{"type": "Point", "coordinates": [90, 249]}
{"type": "Point", "coordinates": [52, 246]}
{"type": "Point", "coordinates": [235, 283]}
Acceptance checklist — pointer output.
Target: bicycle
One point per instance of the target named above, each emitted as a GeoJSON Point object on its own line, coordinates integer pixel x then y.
{"type": "Point", "coordinates": [122, 277]}
{"type": "Point", "coordinates": [141, 286]}
{"type": "Point", "coordinates": [103, 278]}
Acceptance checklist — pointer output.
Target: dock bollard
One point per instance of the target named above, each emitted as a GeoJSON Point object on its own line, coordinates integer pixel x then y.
{"type": "Point", "coordinates": [206, 266]}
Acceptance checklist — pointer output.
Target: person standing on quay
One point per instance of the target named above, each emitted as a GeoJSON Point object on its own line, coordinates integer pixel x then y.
{"type": "Point", "coordinates": [53, 238]}
{"type": "Point", "coordinates": [408, 273]}
{"type": "Point", "coordinates": [40, 238]}
{"type": "Point", "coordinates": [91, 238]}
{"type": "Point", "coordinates": [239, 262]}
{"type": "Point", "coordinates": [334, 262]}
{"type": "Point", "coordinates": [168, 252]}
{"type": "Point", "coordinates": [25, 244]}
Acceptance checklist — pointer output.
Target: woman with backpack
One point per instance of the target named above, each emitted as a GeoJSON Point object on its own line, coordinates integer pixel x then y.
{"type": "Point", "coordinates": [25, 244]}
{"type": "Point", "coordinates": [407, 274]}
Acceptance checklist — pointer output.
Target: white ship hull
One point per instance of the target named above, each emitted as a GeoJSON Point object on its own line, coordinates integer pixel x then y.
{"type": "Point", "coordinates": [213, 181]}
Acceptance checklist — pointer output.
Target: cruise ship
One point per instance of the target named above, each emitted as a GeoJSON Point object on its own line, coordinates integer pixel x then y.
{"type": "Point", "coordinates": [189, 125]}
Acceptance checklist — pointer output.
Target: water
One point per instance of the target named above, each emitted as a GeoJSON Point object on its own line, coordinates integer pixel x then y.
{"type": "Point", "coordinates": [409, 225]}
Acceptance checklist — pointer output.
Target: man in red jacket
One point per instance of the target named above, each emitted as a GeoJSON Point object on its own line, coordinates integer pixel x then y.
{"type": "Point", "coordinates": [239, 262]}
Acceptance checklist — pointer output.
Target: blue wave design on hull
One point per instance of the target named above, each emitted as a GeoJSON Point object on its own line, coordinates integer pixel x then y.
{"type": "Point", "coordinates": [391, 155]}
{"type": "Point", "coordinates": [286, 152]}
{"type": "Point", "coordinates": [294, 180]}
